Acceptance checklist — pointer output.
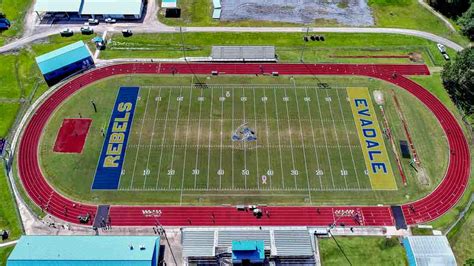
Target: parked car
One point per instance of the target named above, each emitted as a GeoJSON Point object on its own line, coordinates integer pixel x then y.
{"type": "Point", "coordinates": [441, 48]}
{"type": "Point", "coordinates": [87, 30]}
{"type": "Point", "coordinates": [110, 20]}
{"type": "Point", "coordinates": [93, 21]}
{"type": "Point", "coordinates": [446, 57]}
{"type": "Point", "coordinates": [66, 32]}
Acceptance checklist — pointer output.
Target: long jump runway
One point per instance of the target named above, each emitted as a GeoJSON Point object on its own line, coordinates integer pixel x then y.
{"type": "Point", "coordinates": [444, 197]}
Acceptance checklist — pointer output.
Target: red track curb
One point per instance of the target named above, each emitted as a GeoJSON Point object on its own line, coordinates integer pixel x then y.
{"type": "Point", "coordinates": [432, 206]}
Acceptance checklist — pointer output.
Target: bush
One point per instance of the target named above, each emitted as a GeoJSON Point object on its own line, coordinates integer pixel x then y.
{"type": "Point", "coordinates": [389, 243]}
{"type": "Point", "coordinates": [466, 21]}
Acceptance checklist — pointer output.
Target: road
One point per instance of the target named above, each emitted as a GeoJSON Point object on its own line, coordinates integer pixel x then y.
{"type": "Point", "coordinates": [160, 28]}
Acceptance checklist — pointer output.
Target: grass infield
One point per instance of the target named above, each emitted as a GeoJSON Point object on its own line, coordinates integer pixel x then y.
{"type": "Point", "coordinates": [184, 136]}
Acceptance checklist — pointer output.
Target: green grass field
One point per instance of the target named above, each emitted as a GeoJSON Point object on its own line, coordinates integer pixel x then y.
{"type": "Point", "coordinates": [8, 216]}
{"type": "Point", "coordinates": [290, 47]}
{"type": "Point", "coordinates": [4, 253]}
{"type": "Point", "coordinates": [361, 251]}
{"type": "Point", "coordinates": [155, 149]}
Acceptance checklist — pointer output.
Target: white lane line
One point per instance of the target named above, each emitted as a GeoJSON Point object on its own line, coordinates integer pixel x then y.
{"type": "Point", "coordinates": [289, 136]}
{"type": "Point", "coordinates": [157, 100]}
{"type": "Point", "coordinates": [198, 137]}
{"type": "Point", "coordinates": [302, 143]}
{"type": "Point", "coordinates": [139, 140]}
{"type": "Point", "coordinates": [186, 146]}
{"type": "Point", "coordinates": [337, 139]}
{"type": "Point", "coordinates": [348, 140]}
{"type": "Point", "coordinates": [313, 137]}
{"type": "Point", "coordinates": [325, 138]}
{"type": "Point", "coordinates": [279, 140]}
{"type": "Point", "coordinates": [163, 140]}
{"type": "Point", "coordinates": [268, 137]}
{"type": "Point", "coordinates": [256, 141]}
{"type": "Point", "coordinates": [210, 137]}
{"type": "Point", "coordinates": [174, 138]}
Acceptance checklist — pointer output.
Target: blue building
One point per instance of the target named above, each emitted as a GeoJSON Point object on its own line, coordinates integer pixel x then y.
{"type": "Point", "coordinates": [85, 250]}
{"type": "Point", "coordinates": [64, 62]}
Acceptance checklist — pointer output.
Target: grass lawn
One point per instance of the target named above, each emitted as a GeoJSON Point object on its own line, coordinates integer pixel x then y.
{"type": "Point", "coordinates": [361, 251]}
{"type": "Point", "coordinates": [4, 253]}
{"type": "Point", "coordinates": [290, 47]}
{"type": "Point", "coordinates": [15, 10]}
{"type": "Point", "coordinates": [462, 237]}
{"type": "Point", "coordinates": [65, 178]}
{"type": "Point", "coordinates": [8, 215]}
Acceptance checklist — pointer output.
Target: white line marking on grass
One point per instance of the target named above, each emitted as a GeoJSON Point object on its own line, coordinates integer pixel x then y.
{"type": "Point", "coordinates": [268, 137]}
{"type": "Point", "coordinates": [221, 133]}
{"type": "Point", "coordinates": [186, 146]}
{"type": "Point", "coordinates": [289, 136]}
{"type": "Point", "coordinates": [325, 138]}
{"type": "Point", "coordinates": [302, 143]}
{"type": "Point", "coordinates": [139, 140]}
{"type": "Point", "coordinates": [175, 133]}
{"type": "Point", "coordinates": [151, 137]}
{"type": "Point", "coordinates": [198, 137]}
{"type": "Point", "coordinates": [347, 136]}
{"type": "Point", "coordinates": [279, 140]}
{"type": "Point", "coordinates": [256, 141]}
{"type": "Point", "coordinates": [245, 171]}
{"type": "Point", "coordinates": [314, 139]}
{"type": "Point", "coordinates": [337, 138]}
{"type": "Point", "coordinates": [233, 143]}
{"type": "Point", "coordinates": [210, 137]}
{"type": "Point", "coordinates": [163, 140]}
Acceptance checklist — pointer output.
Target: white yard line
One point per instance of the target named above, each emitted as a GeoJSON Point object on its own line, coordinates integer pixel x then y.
{"type": "Point", "coordinates": [151, 138]}
{"type": "Point", "coordinates": [325, 138]}
{"type": "Point", "coordinates": [210, 137]}
{"type": "Point", "coordinates": [139, 140]}
{"type": "Point", "coordinates": [186, 146]}
{"type": "Point", "coordinates": [337, 139]}
{"type": "Point", "coordinates": [163, 140]}
{"type": "Point", "coordinates": [279, 140]}
{"type": "Point", "coordinates": [198, 137]}
{"type": "Point", "coordinates": [174, 139]}
{"type": "Point", "coordinates": [233, 143]}
{"type": "Point", "coordinates": [256, 141]}
{"type": "Point", "coordinates": [302, 143]}
{"type": "Point", "coordinates": [268, 137]}
{"type": "Point", "coordinates": [289, 136]}
{"type": "Point", "coordinates": [221, 133]}
{"type": "Point", "coordinates": [244, 143]}
{"type": "Point", "coordinates": [314, 139]}
{"type": "Point", "coordinates": [348, 140]}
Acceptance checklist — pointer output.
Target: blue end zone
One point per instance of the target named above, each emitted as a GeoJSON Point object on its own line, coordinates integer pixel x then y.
{"type": "Point", "coordinates": [109, 169]}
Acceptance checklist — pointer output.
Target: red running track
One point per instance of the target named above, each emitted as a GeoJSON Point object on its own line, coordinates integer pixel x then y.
{"type": "Point", "coordinates": [432, 206]}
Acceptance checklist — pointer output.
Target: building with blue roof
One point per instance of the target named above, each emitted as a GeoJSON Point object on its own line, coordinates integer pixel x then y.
{"type": "Point", "coordinates": [85, 250]}
{"type": "Point", "coordinates": [64, 62]}
{"type": "Point", "coordinates": [248, 251]}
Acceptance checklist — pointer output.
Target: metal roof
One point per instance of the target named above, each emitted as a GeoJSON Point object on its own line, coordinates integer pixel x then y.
{"type": "Point", "coordinates": [168, 3]}
{"type": "Point", "coordinates": [216, 3]}
{"type": "Point", "coordinates": [216, 14]}
{"type": "Point", "coordinates": [37, 249]}
{"type": "Point", "coordinates": [429, 250]}
{"type": "Point", "coordinates": [225, 238]}
{"type": "Point", "coordinates": [243, 53]}
{"type": "Point", "coordinates": [112, 7]}
{"type": "Point", "coordinates": [198, 244]}
{"type": "Point", "coordinates": [293, 243]}
{"type": "Point", "coordinates": [62, 57]}
{"type": "Point", "coordinates": [57, 5]}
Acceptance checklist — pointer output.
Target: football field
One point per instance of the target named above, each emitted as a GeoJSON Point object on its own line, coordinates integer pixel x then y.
{"type": "Point", "coordinates": [306, 140]}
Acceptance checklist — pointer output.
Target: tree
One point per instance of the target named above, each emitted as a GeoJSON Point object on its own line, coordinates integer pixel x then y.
{"type": "Point", "coordinates": [450, 8]}
{"type": "Point", "coordinates": [466, 21]}
{"type": "Point", "coordinates": [458, 80]}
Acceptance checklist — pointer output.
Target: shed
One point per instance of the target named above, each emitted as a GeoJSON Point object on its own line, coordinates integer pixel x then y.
{"type": "Point", "coordinates": [113, 8]}
{"type": "Point", "coordinates": [428, 250]}
{"type": "Point", "coordinates": [168, 4]}
{"type": "Point", "coordinates": [85, 250]}
{"type": "Point", "coordinates": [65, 61]}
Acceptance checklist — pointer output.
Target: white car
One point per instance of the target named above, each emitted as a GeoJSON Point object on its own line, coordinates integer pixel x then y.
{"type": "Point", "coordinates": [441, 48]}
{"type": "Point", "coordinates": [110, 20]}
{"type": "Point", "coordinates": [93, 21]}
{"type": "Point", "coordinates": [446, 56]}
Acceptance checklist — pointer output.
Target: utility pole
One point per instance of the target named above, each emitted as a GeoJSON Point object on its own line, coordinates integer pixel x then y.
{"type": "Point", "coordinates": [166, 238]}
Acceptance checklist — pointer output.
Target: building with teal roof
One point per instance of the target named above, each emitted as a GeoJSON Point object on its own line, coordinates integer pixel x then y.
{"type": "Point", "coordinates": [85, 250]}
{"type": "Point", "coordinates": [63, 62]}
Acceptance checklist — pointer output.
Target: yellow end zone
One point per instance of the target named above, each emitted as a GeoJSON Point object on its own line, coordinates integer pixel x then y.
{"type": "Point", "coordinates": [376, 157]}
